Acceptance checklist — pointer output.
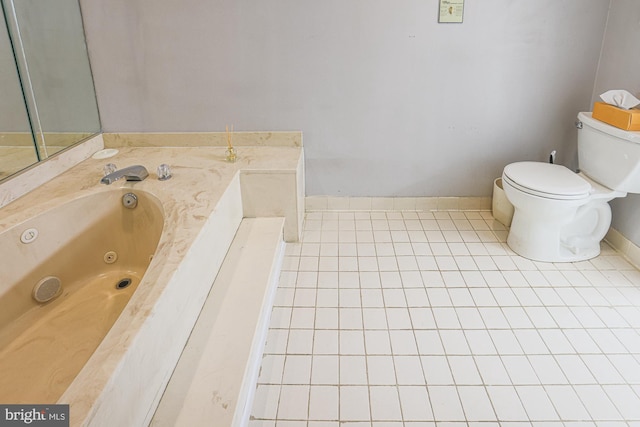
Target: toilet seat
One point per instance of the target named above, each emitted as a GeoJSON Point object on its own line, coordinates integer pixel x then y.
{"type": "Point", "coordinates": [547, 180]}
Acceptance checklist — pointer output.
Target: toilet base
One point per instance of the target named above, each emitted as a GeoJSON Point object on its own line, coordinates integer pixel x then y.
{"type": "Point", "coordinates": [552, 252]}
{"type": "Point", "coordinates": [560, 238]}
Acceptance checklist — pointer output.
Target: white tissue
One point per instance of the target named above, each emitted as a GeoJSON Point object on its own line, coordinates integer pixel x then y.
{"type": "Point", "coordinates": [620, 98]}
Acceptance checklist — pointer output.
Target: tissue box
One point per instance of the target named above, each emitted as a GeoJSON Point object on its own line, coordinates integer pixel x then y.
{"type": "Point", "coordinates": [618, 117]}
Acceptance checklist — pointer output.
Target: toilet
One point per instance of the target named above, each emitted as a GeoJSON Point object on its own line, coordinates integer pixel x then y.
{"type": "Point", "coordinates": [560, 215]}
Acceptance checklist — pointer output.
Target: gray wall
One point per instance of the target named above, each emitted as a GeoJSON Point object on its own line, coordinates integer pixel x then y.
{"type": "Point", "coordinates": [620, 69]}
{"type": "Point", "coordinates": [390, 102]}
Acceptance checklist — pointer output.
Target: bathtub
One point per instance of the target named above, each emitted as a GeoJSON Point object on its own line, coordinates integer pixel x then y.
{"type": "Point", "coordinates": [66, 276]}
{"type": "Point", "coordinates": [195, 216]}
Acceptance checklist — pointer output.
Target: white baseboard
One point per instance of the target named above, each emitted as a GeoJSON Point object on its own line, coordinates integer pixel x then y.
{"type": "Point", "coordinates": [333, 203]}
{"type": "Point", "coordinates": [624, 245]}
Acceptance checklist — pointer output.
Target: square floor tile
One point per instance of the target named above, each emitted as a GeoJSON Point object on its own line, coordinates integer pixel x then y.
{"type": "Point", "coordinates": [403, 342]}
{"type": "Point", "coordinates": [323, 403]}
{"type": "Point", "coordinates": [398, 318]}
{"type": "Point", "coordinates": [265, 402]}
{"type": "Point", "coordinates": [372, 298]}
{"type": "Point", "coordinates": [277, 340]}
{"type": "Point", "coordinates": [354, 403]}
{"type": "Point", "coordinates": [446, 318]}
{"type": "Point", "coordinates": [374, 318]}
{"type": "Point", "coordinates": [353, 370]}
{"type": "Point", "coordinates": [476, 404]}
{"type": "Point", "coordinates": [409, 370]}
{"type": "Point", "coordinates": [597, 403]}
{"type": "Point", "coordinates": [464, 370]}
{"type": "Point", "coordinates": [294, 402]}
{"type": "Point", "coordinates": [422, 318]}
{"type": "Point", "coordinates": [381, 370]}
{"type": "Point", "coordinates": [505, 342]}
{"type": "Point", "coordinates": [436, 370]}
{"type": "Point", "coordinates": [520, 370]}
{"type": "Point", "coordinates": [492, 370]}
{"type": "Point", "coordinates": [352, 342]}
{"type": "Point", "coordinates": [547, 369]}
{"type": "Point", "coordinates": [325, 342]}
{"type": "Point", "coordinates": [377, 342]}
{"type": "Point", "coordinates": [428, 342]}
{"type": "Point", "coordinates": [271, 369]}
{"type": "Point", "coordinates": [326, 318]}
{"type": "Point", "coordinates": [575, 370]}
{"type": "Point", "coordinates": [280, 317]}
{"type": "Point", "coordinates": [302, 318]}
{"type": "Point", "coordinates": [385, 403]}
{"type": "Point", "coordinates": [566, 402]}
{"type": "Point", "coordinates": [325, 369]}
{"type": "Point", "coordinates": [445, 403]}
{"type": "Point", "coordinates": [415, 403]}
{"type": "Point", "coordinates": [454, 342]}
{"type": "Point", "coordinates": [297, 369]}
{"type": "Point", "coordinates": [625, 400]}
{"type": "Point", "coordinates": [416, 297]}
{"type": "Point", "coordinates": [350, 318]}
{"type": "Point", "coordinates": [507, 403]}
{"type": "Point", "coordinates": [349, 298]}
{"type": "Point", "coordinates": [536, 403]}
{"type": "Point", "coordinates": [480, 342]}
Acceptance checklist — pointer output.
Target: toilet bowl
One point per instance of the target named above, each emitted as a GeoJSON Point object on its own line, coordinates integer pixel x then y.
{"type": "Point", "coordinates": [560, 215]}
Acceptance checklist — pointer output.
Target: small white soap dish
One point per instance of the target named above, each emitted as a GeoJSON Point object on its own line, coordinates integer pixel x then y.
{"type": "Point", "coordinates": [105, 154]}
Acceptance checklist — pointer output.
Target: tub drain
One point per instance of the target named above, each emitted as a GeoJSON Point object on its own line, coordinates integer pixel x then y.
{"type": "Point", "coordinates": [46, 289]}
{"type": "Point", "coordinates": [123, 283]}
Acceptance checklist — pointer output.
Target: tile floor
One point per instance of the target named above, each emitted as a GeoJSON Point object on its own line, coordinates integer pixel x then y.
{"type": "Point", "coordinates": [425, 319]}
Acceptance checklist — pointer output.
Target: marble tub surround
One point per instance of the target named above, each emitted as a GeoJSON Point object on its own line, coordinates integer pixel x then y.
{"type": "Point", "coordinates": [202, 139]}
{"type": "Point", "coordinates": [213, 387]}
{"type": "Point", "coordinates": [32, 177]}
{"type": "Point", "coordinates": [125, 377]}
{"type": "Point", "coordinates": [267, 192]}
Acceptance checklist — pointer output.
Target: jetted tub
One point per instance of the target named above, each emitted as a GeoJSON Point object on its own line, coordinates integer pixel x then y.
{"type": "Point", "coordinates": [201, 206]}
{"type": "Point", "coordinates": [66, 276]}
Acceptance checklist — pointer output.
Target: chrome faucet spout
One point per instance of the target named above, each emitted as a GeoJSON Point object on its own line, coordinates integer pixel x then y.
{"type": "Point", "coordinates": [131, 173]}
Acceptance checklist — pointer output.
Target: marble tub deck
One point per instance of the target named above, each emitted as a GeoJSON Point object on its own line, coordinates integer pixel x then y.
{"type": "Point", "coordinates": [204, 203]}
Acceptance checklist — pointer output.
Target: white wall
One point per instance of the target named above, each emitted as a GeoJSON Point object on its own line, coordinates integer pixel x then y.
{"type": "Point", "coordinates": [619, 69]}
{"type": "Point", "coordinates": [390, 102]}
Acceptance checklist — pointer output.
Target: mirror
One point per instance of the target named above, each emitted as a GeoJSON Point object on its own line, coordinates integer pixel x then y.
{"type": "Point", "coordinates": [17, 150]}
{"type": "Point", "coordinates": [55, 81]}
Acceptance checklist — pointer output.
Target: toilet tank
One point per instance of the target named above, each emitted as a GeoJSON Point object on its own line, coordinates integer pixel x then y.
{"type": "Point", "coordinates": [608, 155]}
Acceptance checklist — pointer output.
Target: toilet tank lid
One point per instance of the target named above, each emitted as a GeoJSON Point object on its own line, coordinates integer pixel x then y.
{"type": "Point", "coordinates": [547, 178]}
{"type": "Point", "coordinates": [588, 120]}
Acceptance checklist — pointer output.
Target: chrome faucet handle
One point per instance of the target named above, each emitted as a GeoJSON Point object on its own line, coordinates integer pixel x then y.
{"type": "Point", "coordinates": [109, 168]}
{"type": "Point", "coordinates": [164, 172]}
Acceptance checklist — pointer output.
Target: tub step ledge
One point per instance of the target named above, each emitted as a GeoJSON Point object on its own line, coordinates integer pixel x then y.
{"type": "Point", "coordinates": [215, 378]}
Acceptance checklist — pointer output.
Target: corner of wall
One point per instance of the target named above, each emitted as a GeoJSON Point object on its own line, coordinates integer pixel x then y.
{"type": "Point", "coordinates": [594, 93]}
